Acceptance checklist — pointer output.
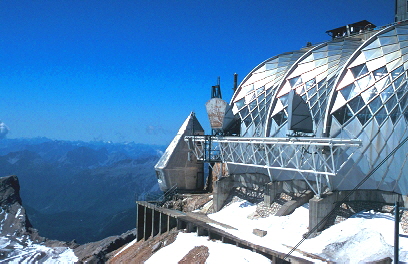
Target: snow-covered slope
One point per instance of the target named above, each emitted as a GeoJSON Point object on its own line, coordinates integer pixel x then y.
{"type": "Point", "coordinates": [19, 243]}
{"type": "Point", "coordinates": [367, 236]}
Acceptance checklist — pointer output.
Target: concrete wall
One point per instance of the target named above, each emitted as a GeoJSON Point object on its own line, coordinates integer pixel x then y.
{"type": "Point", "coordinates": [224, 185]}
{"type": "Point", "coordinates": [319, 208]}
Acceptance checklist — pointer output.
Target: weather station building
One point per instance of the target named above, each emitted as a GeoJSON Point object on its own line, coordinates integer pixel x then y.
{"type": "Point", "coordinates": [331, 119]}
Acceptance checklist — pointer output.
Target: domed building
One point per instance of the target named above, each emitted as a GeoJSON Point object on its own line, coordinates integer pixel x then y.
{"type": "Point", "coordinates": [328, 119]}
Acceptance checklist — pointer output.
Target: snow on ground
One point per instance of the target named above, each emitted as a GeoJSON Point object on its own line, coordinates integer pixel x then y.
{"type": "Point", "coordinates": [219, 252]}
{"type": "Point", "coordinates": [367, 236]}
{"type": "Point", "coordinates": [27, 252]}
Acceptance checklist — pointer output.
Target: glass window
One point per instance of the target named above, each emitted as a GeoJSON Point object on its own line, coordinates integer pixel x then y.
{"type": "Point", "coordinates": [260, 90]}
{"type": "Point", "coordinates": [262, 112]}
{"type": "Point", "coordinates": [402, 89]}
{"type": "Point", "coordinates": [295, 81]}
{"type": "Point", "coordinates": [343, 114]}
{"type": "Point", "coordinates": [381, 84]}
{"type": "Point", "coordinates": [379, 73]}
{"type": "Point", "coordinates": [364, 115]}
{"type": "Point", "coordinates": [284, 99]}
{"type": "Point", "coordinates": [311, 92]}
{"type": "Point", "coordinates": [365, 82]}
{"type": "Point", "coordinates": [395, 73]}
{"type": "Point", "coordinates": [301, 90]}
{"type": "Point", "coordinates": [256, 120]}
{"type": "Point", "coordinates": [381, 116]}
{"type": "Point", "coordinates": [387, 93]}
{"type": "Point", "coordinates": [244, 112]}
{"type": "Point", "coordinates": [261, 97]}
{"type": "Point", "coordinates": [369, 94]}
{"type": "Point", "coordinates": [310, 83]}
{"type": "Point", "coordinates": [391, 103]}
{"type": "Point", "coordinates": [248, 121]}
{"type": "Point", "coordinates": [395, 114]}
{"type": "Point", "coordinates": [403, 102]}
{"type": "Point", "coordinates": [252, 105]}
{"type": "Point", "coordinates": [319, 55]}
{"type": "Point", "coordinates": [280, 118]}
{"type": "Point", "coordinates": [398, 81]}
{"type": "Point", "coordinates": [322, 90]}
{"type": "Point", "coordinates": [356, 104]}
{"type": "Point", "coordinates": [375, 104]}
{"type": "Point", "coordinates": [321, 83]}
{"type": "Point", "coordinates": [388, 40]}
{"type": "Point", "coordinates": [240, 103]}
{"type": "Point", "coordinates": [390, 48]}
{"type": "Point", "coordinates": [312, 100]}
{"type": "Point", "coordinates": [255, 111]}
{"type": "Point", "coordinates": [346, 90]}
{"type": "Point", "coordinates": [373, 53]}
{"type": "Point", "coordinates": [359, 70]}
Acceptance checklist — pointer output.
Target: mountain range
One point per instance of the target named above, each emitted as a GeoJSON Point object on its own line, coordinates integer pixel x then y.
{"type": "Point", "coordinates": [82, 191]}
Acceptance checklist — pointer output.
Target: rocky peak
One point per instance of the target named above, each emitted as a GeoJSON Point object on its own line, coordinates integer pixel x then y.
{"type": "Point", "coordinates": [13, 218]}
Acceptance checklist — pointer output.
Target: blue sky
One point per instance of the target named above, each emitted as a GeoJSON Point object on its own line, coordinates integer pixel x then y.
{"type": "Point", "coordinates": [132, 70]}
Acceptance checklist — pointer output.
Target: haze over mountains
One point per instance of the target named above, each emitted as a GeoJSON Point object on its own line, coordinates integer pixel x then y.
{"type": "Point", "coordinates": [79, 190]}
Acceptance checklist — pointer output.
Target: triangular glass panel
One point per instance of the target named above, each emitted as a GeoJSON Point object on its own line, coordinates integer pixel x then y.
{"type": "Point", "coordinates": [343, 115]}
{"type": "Point", "coordinates": [381, 116]}
{"type": "Point", "coordinates": [388, 40]}
{"type": "Point", "coordinates": [335, 46]}
{"type": "Point", "coordinates": [394, 64]}
{"type": "Point", "coordinates": [392, 56]}
{"type": "Point", "coordinates": [387, 93]}
{"type": "Point", "coordinates": [320, 62]}
{"type": "Point", "coordinates": [391, 103]}
{"type": "Point", "coordinates": [347, 90]}
{"type": "Point", "coordinates": [310, 83]}
{"type": "Point", "coordinates": [365, 82]}
{"type": "Point", "coordinates": [402, 90]}
{"type": "Point", "coordinates": [379, 73]}
{"type": "Point", "coordinates": [381, 84]}
{"type": "Point", "coordinates": [395, 114]}
{"type": "Point", "coordinates": [403, 44]}
{"type": "Point", "coordinates": [340, 101]}
{"type": "Point", "coordinates": [390, 48]}
{"type": "Point", "coordinates": [358, 61]}
{"type": "Point", "coordinates": [280, 118]}
{"type": "Point", "coordinates": [244, 112]}
{"type": "Point", "coordinates": [401, 30]}
{"type": "Point", "coordinates": [402, 37]}
{"type": "Point", "coordinates": [395, 73]}
{"type": "Point", "coordinates": [372, 65]}
{"type": "Point", "coordinates": [356, 104]}
{"type": "Point", "coordinates": [364, 115]}
{"type": "Point", "coordinates": [240, 103]}
{"type": "Point", "coordinates": [369, 94]}
{"type": "Point", "coordinates": [295, 81]}
{"type": "Point", "coordinates": [404, 51]}
{"type": "Point", "coordinates": [359, 70]}
{"type": "Point", "coordinates": [404, 101]}
{"type": "Point", "coordinates": [389, 33]}
{"type": "Point", "coordinates": [333, 52]}
{"type": "Point", "coordinates": [373, 53]}
{"type": "Point", "coordinates": [284, 100]}
{"type": "Point", "coordinates": [320, 55]}
{"type": "Point", "coordinates": [374, 44]}
{"type": "Point", "coordinates": [398, 81]}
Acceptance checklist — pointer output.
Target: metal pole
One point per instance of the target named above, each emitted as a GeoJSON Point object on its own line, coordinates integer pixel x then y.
{"type": "Point", "coordinates": [396, 234]}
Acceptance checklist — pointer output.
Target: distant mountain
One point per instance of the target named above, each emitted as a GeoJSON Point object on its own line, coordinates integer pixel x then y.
{"type": "Point", "coordinates": [72, 190]}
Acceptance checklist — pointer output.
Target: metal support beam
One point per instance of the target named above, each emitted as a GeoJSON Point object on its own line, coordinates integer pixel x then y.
{"type": "Point", "coordinates": [317, 156]}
